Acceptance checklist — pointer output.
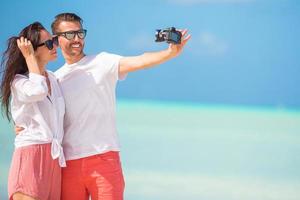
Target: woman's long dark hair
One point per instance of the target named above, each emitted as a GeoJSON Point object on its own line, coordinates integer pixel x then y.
{"type": "Point", "coordinates": [13, 62]}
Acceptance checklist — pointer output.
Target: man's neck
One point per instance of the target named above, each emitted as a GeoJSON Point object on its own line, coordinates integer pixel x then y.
{"type": "Point", "coordinates": [73, 59]}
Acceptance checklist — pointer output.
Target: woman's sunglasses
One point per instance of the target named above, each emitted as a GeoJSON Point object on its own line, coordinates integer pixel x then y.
{"type": "Point", "coordinates": [70, 35]}
{"type": "Point", "coordinates": [49, 43]}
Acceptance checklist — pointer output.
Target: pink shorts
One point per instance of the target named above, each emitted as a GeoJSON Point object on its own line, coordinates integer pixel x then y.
{"type": "Point", "coordinates": [33, 172]}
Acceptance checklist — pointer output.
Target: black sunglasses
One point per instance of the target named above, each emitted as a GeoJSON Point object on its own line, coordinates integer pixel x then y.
{"type": "Point", "coordinates": [71, 34]}
{"type": "Point", "coordinates": [49, 43]}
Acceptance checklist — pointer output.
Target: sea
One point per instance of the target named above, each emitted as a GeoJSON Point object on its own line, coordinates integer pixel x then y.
{"type": "Point", "coordinates": [183, 150]}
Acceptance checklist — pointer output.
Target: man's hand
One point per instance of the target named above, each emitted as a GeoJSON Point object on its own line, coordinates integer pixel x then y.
{"type": "Point", "coordinates": [150, 59]}
{"type": "Point", "coordinates": [176, 49]}
{"type": "Point", "coordinates": [18, 129]}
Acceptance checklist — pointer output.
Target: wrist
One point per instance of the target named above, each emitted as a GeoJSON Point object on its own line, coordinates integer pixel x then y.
{"type": "Point", "coordinates": [30, 57]}
{"type": "Point", "coordinates": [169, 53]}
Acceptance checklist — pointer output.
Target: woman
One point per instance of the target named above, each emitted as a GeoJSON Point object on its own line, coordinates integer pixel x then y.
{"type": "Point", "coordinates": [31, 96]}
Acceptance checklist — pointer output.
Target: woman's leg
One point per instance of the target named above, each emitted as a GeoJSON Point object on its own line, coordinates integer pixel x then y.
{"type": "Point", "coordinates": [21, 196]}
{"type": "Point", "coordinates": [30, 173]}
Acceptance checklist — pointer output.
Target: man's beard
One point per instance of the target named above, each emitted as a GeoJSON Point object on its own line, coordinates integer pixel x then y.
{"type": "Point", "coordinates": [78, 51]}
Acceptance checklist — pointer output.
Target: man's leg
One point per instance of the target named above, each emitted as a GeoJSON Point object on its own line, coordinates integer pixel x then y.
{"type": "Point", "coordinates": [105, 178]}
{"type": "Point", "coordinates": [72, 185]}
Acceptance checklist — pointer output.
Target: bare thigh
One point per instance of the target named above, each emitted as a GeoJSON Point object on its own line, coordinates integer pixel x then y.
{"type": "Point", "coordinates": [21, 196]}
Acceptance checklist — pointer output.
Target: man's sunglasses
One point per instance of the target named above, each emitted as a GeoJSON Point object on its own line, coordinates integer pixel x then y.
{"type": "Point", "coordinates": [70, 35]}
{"type": "Point", "coordinates": [49, 43]}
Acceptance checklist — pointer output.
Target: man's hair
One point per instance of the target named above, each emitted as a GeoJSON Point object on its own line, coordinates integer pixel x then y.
{"type": "Point", "coordinates": [68, 17]}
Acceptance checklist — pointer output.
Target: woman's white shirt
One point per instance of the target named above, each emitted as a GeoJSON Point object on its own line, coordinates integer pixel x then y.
{"type": "Point", "coordinates": [41, 115]}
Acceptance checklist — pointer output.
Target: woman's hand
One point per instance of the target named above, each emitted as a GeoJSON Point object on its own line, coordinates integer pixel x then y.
{"type": "Point", "coordinates": [25, 47]}
{"type": "Point", "coordinates": [27, 50]}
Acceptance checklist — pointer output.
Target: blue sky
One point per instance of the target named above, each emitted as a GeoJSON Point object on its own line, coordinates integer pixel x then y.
{"type": "Point", "coordinates": [242, 52]}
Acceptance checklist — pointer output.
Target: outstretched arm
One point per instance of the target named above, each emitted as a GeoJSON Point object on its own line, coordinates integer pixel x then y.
{"type": "Point", "coordinates": [147, 60]}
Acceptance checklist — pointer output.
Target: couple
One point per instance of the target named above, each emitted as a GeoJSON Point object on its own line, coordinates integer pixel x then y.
{"type": "Point", "coordinates": [68, 146]}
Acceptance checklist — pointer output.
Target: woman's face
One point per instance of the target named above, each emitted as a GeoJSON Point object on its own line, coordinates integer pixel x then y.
{"type": "Point", "coordinates": [42, 52]}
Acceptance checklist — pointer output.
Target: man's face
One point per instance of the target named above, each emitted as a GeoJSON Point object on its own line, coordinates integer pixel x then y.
{"type": "Point", "coordinates": [70, 47]}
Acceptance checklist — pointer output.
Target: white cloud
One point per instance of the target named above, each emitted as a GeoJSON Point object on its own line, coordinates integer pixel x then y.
{"type": "Point", "coordinates": [157, 185]}
{"type": "Point", "coordinates": [193, 2]}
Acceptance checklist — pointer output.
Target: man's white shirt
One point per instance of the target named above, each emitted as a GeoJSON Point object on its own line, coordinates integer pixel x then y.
{"type": "Point", "coordinates": [89, 91]}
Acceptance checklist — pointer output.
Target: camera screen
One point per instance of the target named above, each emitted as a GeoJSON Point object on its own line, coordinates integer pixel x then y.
{"type": "Point", "coordinates": [175, 36]}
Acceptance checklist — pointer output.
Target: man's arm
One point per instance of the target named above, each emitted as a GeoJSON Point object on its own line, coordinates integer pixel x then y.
{"type": "Point", "coordinates": [18, 129]}
{"type": "Point", "coordinates": [146, 60]}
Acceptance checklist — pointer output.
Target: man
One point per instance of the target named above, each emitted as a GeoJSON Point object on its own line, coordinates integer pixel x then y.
{"type": "Point", "coordinates": [88, 83]}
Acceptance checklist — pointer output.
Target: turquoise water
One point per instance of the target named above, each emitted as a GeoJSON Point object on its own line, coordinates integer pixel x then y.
{"type": "Point", "coordinates": [190, 151]}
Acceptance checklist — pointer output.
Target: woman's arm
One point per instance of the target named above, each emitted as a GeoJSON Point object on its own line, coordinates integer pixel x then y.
{"type": "Point", "coordinates": [33, 88]}
{"type": "Point", "coordinates": [27, 50]}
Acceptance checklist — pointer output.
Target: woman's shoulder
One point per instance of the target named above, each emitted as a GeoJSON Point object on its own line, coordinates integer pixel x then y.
{"type": "Point", "coordinates": [20, 77]}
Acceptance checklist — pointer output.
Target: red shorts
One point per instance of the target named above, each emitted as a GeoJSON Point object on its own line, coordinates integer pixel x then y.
{"type": "Point", "coordinates": [99, 176]}
{"type": "Point", "coordinates": [33, 172]}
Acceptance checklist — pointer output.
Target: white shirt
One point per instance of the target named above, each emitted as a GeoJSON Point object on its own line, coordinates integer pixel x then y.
{"type": "Point", "coordinates": [40, 115]}
{"type": "Point", "coordinates": [89, 90]}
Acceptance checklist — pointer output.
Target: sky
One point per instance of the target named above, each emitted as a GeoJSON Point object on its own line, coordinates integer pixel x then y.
{"type": "Point", "coordinates": [242, 52]}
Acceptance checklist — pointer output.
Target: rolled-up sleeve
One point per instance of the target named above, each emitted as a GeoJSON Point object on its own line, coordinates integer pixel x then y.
{"type": "Point", "coordinates": [30, 89]}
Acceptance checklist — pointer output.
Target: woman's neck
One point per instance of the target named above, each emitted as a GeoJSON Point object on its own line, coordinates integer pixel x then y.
{"type": "Point", "coordinates": [42, 67]}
